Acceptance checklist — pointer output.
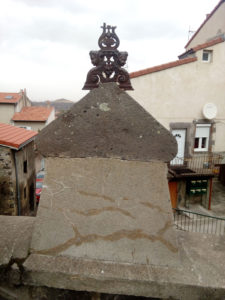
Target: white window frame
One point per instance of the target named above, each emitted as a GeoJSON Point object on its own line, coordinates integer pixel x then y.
{"type": "Point", "coordinates": [209, 52]}
{"type": "Point", "coordinates": [202, 131]}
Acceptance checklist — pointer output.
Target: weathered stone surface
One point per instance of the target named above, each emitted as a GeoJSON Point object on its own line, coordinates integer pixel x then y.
{"type": "Point", "coordinates": [199, 276]}
{"type": "Point", "coordinates": [107, 123]}
{"type": "Point", "coordinates": [15, 233]}
{"type": "Point", "coordinates": [7, 183]}
{"type": "Point", "coordinates": [106, 209]}
{"type": "Point", "coordinates": [10, 182]}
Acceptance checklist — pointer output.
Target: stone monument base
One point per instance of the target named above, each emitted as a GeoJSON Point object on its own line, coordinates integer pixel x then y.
{"type": "Point", "coordinates": [106, 210]}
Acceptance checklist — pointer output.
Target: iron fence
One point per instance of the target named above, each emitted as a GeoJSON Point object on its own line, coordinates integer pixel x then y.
{"type": "Point", "coordinates": [199, 163]}
{"type": "Point", "coordinates": [196, 222]}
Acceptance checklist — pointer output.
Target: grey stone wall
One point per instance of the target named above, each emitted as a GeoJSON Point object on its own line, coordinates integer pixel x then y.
{"type": "Point", "coordinates": [44, 293]}
{"type": "Point", "coordinates": [8, 203]}
{"type": "Point", "coordinates": [26, 181]}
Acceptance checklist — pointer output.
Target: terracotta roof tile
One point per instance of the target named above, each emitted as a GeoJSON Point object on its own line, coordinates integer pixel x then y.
{"type": "Point", "coordinates": [206, 20]}
{"type": "Point", "coordinates": [33, 113]}
{"type": "Point", "coordinates": [15, 97]}
{"type": "Point", "coordinates": [163, 67]}
{"type": "Point", "coordinates": [15, 137]}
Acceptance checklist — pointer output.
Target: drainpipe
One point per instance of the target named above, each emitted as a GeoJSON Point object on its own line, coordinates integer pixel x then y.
{"type": "Point", "coordinates": [17, 186]}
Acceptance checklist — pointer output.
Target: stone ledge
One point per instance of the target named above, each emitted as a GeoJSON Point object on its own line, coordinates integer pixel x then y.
{"type": "Point", "coordinates": [200, 276]}
{"type": "Point", "coordinates": [194, 279]}
{"type": "Point", "coordinates": [15, 235]}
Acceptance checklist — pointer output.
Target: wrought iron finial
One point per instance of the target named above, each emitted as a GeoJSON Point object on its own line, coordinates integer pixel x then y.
{"type": "Point", "coordinates": [108, 62]}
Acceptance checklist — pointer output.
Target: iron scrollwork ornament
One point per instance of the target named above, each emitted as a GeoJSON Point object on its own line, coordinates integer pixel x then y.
{"type": "Point", "coordinates": [108, 62]}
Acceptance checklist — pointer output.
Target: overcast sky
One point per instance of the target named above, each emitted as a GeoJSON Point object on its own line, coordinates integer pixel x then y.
{"type": "Point", "coordinates": [45, 44]}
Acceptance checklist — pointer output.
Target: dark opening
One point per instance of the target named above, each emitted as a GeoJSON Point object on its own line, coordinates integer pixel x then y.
{"type": "Point", "coordinates": [196, 143]}
{"type": "Point", "coordinates": [25, 166]}
{"type": "Point", "coordinates": [25, 193]}
{"type": "Point", "coordinates": [183, 171]}
{"type": "Point", "coordinates": [31, 197]}
{"type": "Point", "coordinates": [204, 142]}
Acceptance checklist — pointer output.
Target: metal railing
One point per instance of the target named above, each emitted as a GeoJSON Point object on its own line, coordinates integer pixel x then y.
{"type": "Point", "coordinates": [196, 222]}
{"type": "Point", "coordinates": [199, 163]}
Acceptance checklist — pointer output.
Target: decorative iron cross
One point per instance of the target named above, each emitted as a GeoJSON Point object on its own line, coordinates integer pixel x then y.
{"type": "Point", "coordinates": [108, 62]}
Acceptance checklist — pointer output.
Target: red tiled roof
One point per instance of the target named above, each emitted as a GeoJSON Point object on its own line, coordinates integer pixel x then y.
{"type": "Point", "coordinates": [206, 20]}
{"type": "Point", "coordinates": [15, 97]}
{"type": "Point", "coordinates": [203, 46]}
{"type": "Point", "coordinates": [163, 67]}
{"type": "Point", "coordinates": [33, 113]}
{"type": "Point", "coordinates": [15, 137]}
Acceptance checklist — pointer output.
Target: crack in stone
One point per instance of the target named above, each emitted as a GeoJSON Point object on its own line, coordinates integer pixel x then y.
{"type": "Point", "coordinates": [153, 206]}
{"type": "Point", "coordinates": [96, 195]}
{"type": "Point", "coordinates": [135, 234]}
{"type": "Point", "coordinates": [95, 211]}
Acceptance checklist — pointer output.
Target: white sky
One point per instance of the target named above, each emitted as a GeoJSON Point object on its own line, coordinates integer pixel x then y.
{"type": "Point", "coordinates": [45, 44]}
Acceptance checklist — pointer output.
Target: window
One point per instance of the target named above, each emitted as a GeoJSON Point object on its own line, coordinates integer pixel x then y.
{"type": "Point", "coordinates": [8, 97]}
{"type": "Point", "coordinates": [25, 127]}
{"type": "Point", "coordinates": [207, 55]}
{"type": "Point", "coordinates": [25, 193]}
{"type": "Point", "coordinates": [25, 166]}
{"type": "Point", "coordinates": [202, 137]}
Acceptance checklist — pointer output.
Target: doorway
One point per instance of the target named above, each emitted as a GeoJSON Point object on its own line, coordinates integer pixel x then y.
{"type": "Point", "coordinates": [180, 136]}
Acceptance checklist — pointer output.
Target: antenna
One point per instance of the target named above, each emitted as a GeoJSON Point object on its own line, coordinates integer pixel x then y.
{"type": "Point", "coordinates": [190, 32]}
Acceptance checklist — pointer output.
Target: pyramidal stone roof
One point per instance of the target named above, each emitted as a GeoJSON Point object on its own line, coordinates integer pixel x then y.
{"type": "Point", "coordinates": [107, 123]}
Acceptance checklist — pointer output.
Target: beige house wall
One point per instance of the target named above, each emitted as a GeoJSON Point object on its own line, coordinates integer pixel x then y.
{"type": "Point", "coordinates": [6, 113]}
{"type": "Point", "coordinates": [214, 27]}
{"type": "Point", "coordinates": [179, 94]}
{"type": "Point", "coordinates": [20, 104]}
{"type": "Point", "coordinates": [36, 126]}
{"type": "Point", "coordinates": [7, 110]}
{"type": "Point", "coordinates": [51, 117]}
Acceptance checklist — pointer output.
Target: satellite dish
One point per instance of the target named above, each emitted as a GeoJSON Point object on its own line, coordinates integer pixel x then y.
{"type": "Point", "coordinates": [209, 111]}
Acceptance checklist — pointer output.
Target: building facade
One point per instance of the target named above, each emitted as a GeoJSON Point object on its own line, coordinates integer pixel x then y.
{"type": "Point", "coordinates": [16, 109]}
{"type": "Point", "coordinates": [187, 97]}
{"type": "Point", "coordinates": [10, 103]}
{"type": "Point", "coordinates": [17, 171]}
{"type": "Point", "coordinates": [177, 93]}
{"type": "Point", "coordinates": [34, 118]}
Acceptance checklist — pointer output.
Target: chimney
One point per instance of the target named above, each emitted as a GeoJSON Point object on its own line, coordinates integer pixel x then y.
{"type": "Point", "coordinates": [48, 103]}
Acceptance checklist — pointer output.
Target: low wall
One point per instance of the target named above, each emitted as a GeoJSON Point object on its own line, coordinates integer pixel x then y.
{"type": "Point", "coordinates": [200, 275]}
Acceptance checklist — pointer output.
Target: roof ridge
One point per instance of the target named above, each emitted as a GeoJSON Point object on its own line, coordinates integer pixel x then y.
{"type": "Point", "coordinates": [205, 21]}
